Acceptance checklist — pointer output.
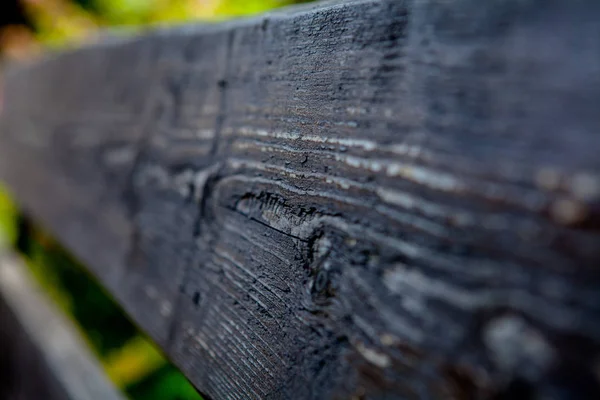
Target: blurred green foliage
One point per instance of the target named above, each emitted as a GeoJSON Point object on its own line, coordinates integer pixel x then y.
{"type": "Point", "coordinates": [59, 22]}
{"type": "Point", "coordinates": [8, 212]}
{"type": "Point", "coordinates": [130, 360]}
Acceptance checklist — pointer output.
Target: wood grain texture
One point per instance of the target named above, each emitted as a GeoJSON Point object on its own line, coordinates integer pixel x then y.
{"type": "Point", "coordinates": [364, 199]}
{"type": "Point", "coordinates": [41, 355]}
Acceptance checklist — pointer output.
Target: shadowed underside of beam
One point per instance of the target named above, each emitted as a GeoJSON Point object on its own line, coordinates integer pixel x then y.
{"type": "Point", "coordinates": [364, 199]}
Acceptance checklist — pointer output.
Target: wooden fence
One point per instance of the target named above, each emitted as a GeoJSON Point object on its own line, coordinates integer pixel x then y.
{"type": "Point", "coordinates": [354, 200]}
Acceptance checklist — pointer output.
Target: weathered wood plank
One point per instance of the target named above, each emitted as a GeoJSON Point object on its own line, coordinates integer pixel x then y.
{"type": "Point", "coordinates": [41, 355]}
{"type": "Point", "coordinates": [364, 199]}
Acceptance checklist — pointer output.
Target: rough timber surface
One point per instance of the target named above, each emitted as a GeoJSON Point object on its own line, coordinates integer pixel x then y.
{"type": "Point", "coordinates": [363, 199]}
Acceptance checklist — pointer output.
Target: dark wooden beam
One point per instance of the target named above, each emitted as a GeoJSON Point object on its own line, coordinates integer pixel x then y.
{"type": "Point", "coordinates": [363, 199]}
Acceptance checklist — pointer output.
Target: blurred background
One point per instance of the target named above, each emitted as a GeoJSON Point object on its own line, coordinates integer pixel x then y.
{"type": "Point", "coordinates": [28, 28]}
